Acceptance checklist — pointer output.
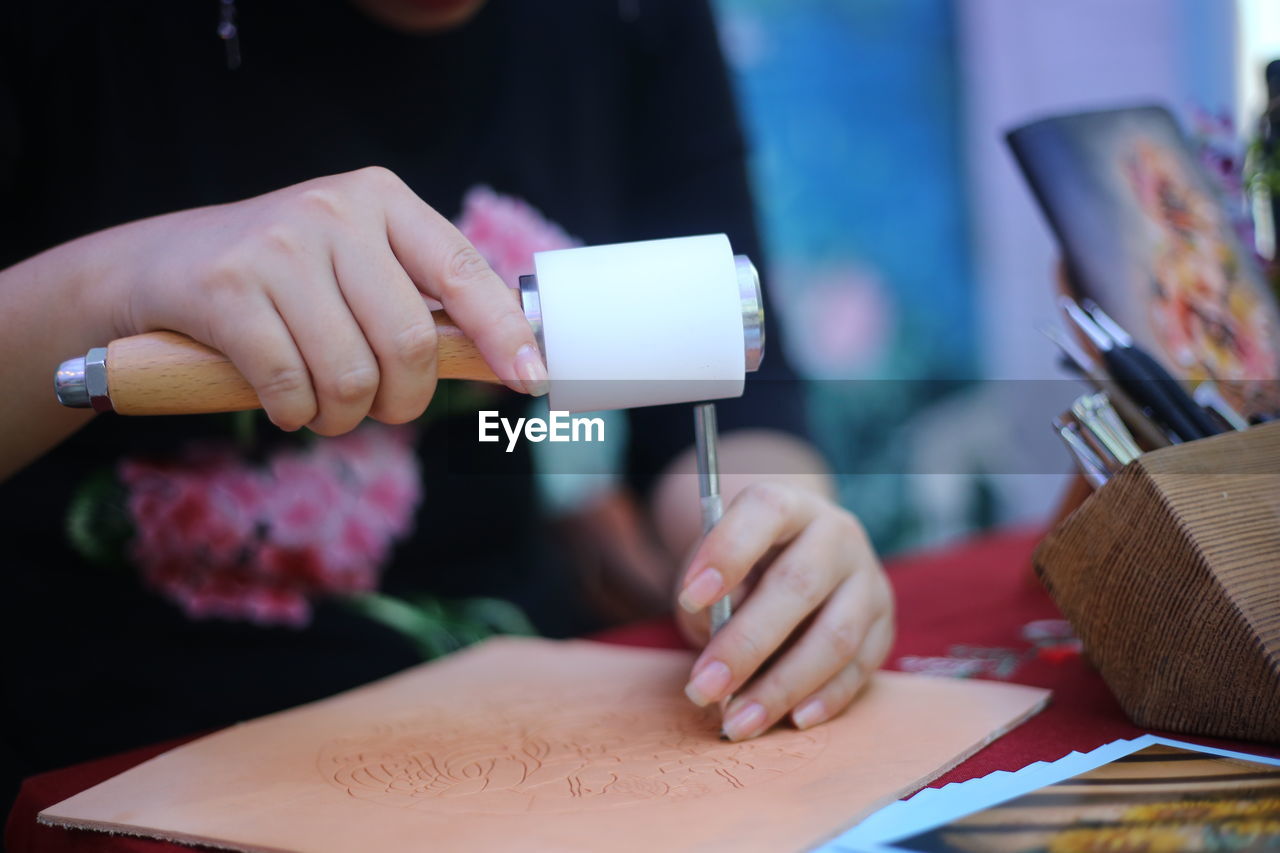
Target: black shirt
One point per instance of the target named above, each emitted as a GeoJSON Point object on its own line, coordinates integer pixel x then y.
{"type": "Point", "coordinates": [615, 119]}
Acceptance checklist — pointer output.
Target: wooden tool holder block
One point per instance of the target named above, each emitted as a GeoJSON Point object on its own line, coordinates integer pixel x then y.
{"type": "Point", "coordinates": [1170, 574]}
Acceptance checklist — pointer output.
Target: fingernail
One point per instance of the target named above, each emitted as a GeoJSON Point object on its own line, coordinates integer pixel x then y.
{"type": "Point", "coordinates": [745, 722]}
{"type": "Point", "coordinates": [704, 589]}
{"type": "Point", "coordinates": [809, 714]}
{"type": "Point", "coordinates": [531, 371]}
{"type": "Point", "coordinates": [711, 681]}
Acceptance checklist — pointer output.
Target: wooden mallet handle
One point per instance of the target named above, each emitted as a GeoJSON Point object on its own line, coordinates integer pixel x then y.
{"type": "Point", "coordinates": [165, 373]}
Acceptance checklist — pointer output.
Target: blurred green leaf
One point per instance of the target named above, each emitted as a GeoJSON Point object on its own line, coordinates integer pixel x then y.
{"type": "Point", "coordinates": [97, 522]}
{"type": "Point", "coordinates": [500, 615]}
{"type": "Point", "coordinates": [439, 626]}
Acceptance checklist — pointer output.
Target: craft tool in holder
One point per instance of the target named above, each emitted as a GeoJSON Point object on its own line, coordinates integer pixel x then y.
{"type": "Point", "coordinates": [1096, 437]}
{"type": "Point", "coordinates": [1209, 396]}
{"type": "Point", "coordinates": [1096, 376]}
{"type": "Point", "coordinates": [1140, 375]}
{"type": "Point", "coordinates": [1137, 404]}
{"type": "Point", "coordinates": [1170, 574]}
{"type": "Point", "coordinates": [1170, 570]}
{"type": "Point", "coordinates": [1091, 465]}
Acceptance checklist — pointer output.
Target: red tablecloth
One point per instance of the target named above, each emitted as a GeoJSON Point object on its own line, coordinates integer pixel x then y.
{"type": "Point", "coordinates": [977, 594]}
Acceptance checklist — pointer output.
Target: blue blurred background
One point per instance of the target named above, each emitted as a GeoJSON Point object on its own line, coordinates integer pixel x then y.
{"type": "Point", "coordinates": [907, 256]}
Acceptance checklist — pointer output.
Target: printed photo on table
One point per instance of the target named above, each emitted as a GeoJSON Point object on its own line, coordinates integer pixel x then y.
{"type": "Point", "coordinates": [1161, 798]}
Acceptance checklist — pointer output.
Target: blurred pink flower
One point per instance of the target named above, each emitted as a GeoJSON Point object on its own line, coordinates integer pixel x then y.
{"type": "Point", "coordinates": [223, 539]}
{"type": "Point", "coordinates": [507, 231]}
{"type": "Point", "coordinates": [228, 540]}
{"type": "Point", "coordinates": [843, 321]}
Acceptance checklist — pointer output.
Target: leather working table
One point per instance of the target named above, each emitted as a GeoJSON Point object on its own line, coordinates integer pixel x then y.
{"type": "Point", "coordinates": [975, 605]}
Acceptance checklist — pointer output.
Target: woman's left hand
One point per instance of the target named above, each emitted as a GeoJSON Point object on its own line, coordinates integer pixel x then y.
{"type": "Point", "coordinates": [813, 615]}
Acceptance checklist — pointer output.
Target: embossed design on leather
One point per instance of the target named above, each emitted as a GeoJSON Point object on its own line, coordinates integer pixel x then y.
{"type": "Point", "coordinates": [603, 755]}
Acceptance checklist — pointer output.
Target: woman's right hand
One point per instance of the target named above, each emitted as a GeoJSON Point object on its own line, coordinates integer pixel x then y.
{"type": "Point", "coordinates": [315, 292]}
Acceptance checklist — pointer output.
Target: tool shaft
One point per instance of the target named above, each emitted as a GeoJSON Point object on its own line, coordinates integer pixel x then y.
{"type": "Point", "coordinates": [1108, 415]}
{"type": "Point", "coordinates": [1092, 467]}
{"type": "Point", "coordinates": [706, 446]}
{"type": "Point", "coordinates": [1091, 411]}
{"type": "Point", "coordinates": [1209, 395]}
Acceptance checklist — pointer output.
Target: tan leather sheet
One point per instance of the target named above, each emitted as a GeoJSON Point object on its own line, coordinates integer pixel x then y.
{"type": "Point", "coordinates": [534, 745]}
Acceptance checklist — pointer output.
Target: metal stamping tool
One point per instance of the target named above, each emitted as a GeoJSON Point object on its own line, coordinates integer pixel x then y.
{"type": "Point", "coordinates": [1209, 395]}
{"type": "Point", "coordinates": [706, 440]}
{"type": "Point", "coordinates": [1091, 466]}
{"type": "Point", "coordinates": [1095, 414]}
{"type": "Point", "coordinates": [1097, 435]}
{"type": "Point", "coordinates": [1107, 413]}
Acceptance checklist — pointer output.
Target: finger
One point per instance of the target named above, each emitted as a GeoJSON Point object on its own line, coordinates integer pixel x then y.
{"type": "Point", "coordinates": [697, 626]}
{"type": "Point", "coordinates": [396, 324]}
{"type": "Point", "coordinates": [837, 693]}
{"type": "Point", "coordinates": [761, 516]}
{"type": "Point", "coordinates": [443, 264]}
{"type": "Point", "coordinates": [834, 639]}
{"type": "Point", "coordinates": [343, 371]}
{"type": "Point", "coordinates": [252, 334]}
{"type": "Point", "coordinates": [792, 588]}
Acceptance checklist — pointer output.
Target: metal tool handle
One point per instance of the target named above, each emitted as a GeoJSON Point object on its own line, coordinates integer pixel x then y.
{"type": "Point", "coordinates": [1151, 392]}
{"type": "Point", "coordinates": [712, 510]}
{"type": "Point", "coordinates": [165, 373]}
{"type": "Point", "coordinates": [706, 447]}
{"type": "Point", "coordinates": [1176, 392]}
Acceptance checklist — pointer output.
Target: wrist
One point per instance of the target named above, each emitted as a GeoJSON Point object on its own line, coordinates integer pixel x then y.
{"type": "Point", "coordinates": [112, 274]}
